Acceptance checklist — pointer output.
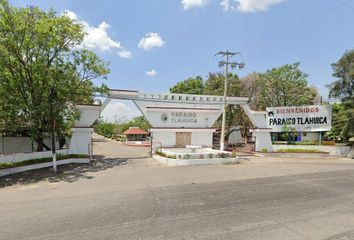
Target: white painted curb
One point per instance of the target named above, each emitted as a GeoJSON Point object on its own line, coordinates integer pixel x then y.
{"type": "Point", "coordinates": [9, 171]}
{"type": "Point", "coordinates": [194, 162]}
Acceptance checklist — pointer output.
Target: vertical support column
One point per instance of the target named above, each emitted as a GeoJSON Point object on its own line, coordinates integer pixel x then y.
{"type": "Point", "coordinates": [80, 142]}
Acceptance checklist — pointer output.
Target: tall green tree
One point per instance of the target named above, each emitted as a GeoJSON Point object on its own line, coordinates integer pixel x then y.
{"type": "Point", "coordinates": [339, 119]}
{"type": "Point", "coordinates": [235, 115]}
{"type": "Point", "coordinates": [189, 86]}
{"type": "Point", "coordinates": [43, 67]}
{"type": "Point", "coordinates": [343, 70]}
{"type": "Point", "coordinates": [214, 85]}
{"type": "Point", "coordinates": [343, 88]}
{"type": "Point", "coordinates": [285, 86]}
{"type": "Point", "coordinates": [250, 88]}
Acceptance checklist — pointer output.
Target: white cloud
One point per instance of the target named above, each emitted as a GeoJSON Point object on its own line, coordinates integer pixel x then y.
{"type": "Point", "coordinates": [225, 4]}
{"type": "Point", "coordinates": [97, 37]}
{"type": "Point", "coordinates": [256, 5]}
{"type": "Point", "coordinates": [124, 54]}
{"type": "Point", "coordinates": [120, 111]}
{"type": "Point", "coordinates": [187, 4]}
{"type": "Point", "coordinates": [70, 14]}
{"type": "Point", "coordinates": [151, 73]}
{"type": "Point", "coordinates": [241, 5]}
{"type": "Point", "coordinates": [150, 41]}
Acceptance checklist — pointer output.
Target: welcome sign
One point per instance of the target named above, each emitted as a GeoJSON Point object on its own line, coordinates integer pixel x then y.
{"type": "Point", "coordinates": [301, 118]}
{"type": "Point", "coordinates": [184, 117]}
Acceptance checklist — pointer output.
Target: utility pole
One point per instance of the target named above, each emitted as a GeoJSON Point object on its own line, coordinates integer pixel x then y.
{"type": "Point", "coordinates": [227, 55]}
{"type": "Point", "coordinates": [52, 98]}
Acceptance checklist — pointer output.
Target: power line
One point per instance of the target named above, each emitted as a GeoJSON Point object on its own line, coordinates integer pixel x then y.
{"type": "Point", "coordinates": [296, 26]}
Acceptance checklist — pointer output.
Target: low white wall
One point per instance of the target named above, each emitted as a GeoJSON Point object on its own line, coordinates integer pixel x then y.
{"type": "Point", "coordinates": [168, 139]}
{"type": "Point", "coordinates": [9, 171]}
{"type": "Point", "coordinates": [19, 157]}
{"type": "Point", "coordinates": [204, 139]}
{"type": "Point", "coordinates": [333, 150]}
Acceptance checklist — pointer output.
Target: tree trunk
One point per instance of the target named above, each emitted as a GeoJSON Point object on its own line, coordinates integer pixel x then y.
{"type": "Point", "coordinates": [40, 142]}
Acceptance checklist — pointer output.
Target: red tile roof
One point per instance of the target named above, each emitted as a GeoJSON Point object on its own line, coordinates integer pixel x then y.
{"type": "Point", "coordinates": [132, 131]}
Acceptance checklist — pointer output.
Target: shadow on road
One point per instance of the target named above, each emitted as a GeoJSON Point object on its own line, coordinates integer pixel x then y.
{"type": "Point", "coordinates": [66, 173]}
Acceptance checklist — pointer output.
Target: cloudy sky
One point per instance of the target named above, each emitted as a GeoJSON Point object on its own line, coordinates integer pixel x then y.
{"type": "Point", "coordinates": [153, 44]}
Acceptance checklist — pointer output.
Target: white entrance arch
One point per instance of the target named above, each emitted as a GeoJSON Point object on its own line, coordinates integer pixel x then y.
{"type": "Point", "coordinates": [172, 113]}
{"type": "Point", "coordinates": [176, 119]}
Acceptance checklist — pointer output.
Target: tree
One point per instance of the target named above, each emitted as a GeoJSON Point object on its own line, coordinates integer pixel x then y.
{"type": "Point", "coordinates": [109, 129]}
{"type": "Point", "coordinates": [40, 54]}
{"type": "Point", "coordinates": [104, 128]}
{"type": "Point", "coordinates": [343, 70]}
{"type": "Point", "coordinates": [139, 122]}
{"type": "Point", "coordinates": [343, 88]}
{"type": "Point", "coordinates": [339, 119]}
{"type": "Point", "coordinates": [285, 86]}
{"type": "Point", "coordinates": [251, 89]}
{"type": "Point", "coordinates": [235, 115]}
{"type": "Point", "coordinates": [348, 129]}
{"type": "Point", "coordinates": [189, 86]}
{"type": "Point", "coordinates": [214, 85]}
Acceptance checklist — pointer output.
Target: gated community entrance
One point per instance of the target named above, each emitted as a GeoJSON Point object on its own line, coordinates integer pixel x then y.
{"type": "Point", "coordinates": [178, 120]}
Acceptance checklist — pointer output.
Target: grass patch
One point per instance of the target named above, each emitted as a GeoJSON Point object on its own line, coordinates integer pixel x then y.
{"type": "Point", "coordinates": [162, 154]}
{"type": "Point", "coordinates": [299, 150]}
{"type": "Point", "coordinates": [39, 160]}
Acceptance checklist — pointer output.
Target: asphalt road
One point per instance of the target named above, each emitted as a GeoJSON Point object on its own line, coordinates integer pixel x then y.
{"type": "Point", "coordinates": [315, 201]}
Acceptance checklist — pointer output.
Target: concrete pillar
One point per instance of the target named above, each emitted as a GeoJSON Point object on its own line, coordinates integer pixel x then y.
{"type": "Point", "coordinates": [80, 141]}
{"type": "Point", "coordinates": [81, 132]}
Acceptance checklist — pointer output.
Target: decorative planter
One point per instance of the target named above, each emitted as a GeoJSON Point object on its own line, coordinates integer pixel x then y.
{"type": "Point", "coordinates": [193, 162]}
